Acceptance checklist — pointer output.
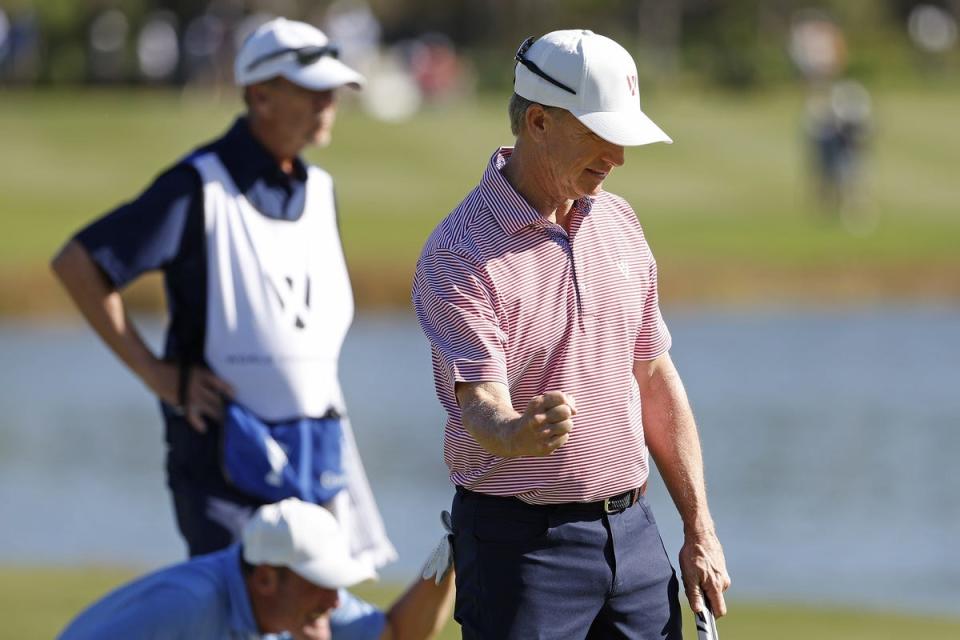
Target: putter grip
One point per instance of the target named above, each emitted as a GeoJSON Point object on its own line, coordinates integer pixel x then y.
{"type": "Point", "coordinates": [706, 625]}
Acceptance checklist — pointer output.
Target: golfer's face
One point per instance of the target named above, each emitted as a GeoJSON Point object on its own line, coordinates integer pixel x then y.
{"type": "Point", "coordinates": [304, 116]}
{"type": "Point", "coordinates": [307, 608]}
{"type": "Point", "coordinates": [581, 160]}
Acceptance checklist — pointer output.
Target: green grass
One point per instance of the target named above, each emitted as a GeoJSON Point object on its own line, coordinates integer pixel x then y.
{"type": "Point", "coordinates": [38, 603]}
{"type": "Point", "coordinates": [731, 192]}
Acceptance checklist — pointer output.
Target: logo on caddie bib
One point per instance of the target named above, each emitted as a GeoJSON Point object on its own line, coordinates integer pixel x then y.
{"type": "Point", "coordinates": [293, 296]}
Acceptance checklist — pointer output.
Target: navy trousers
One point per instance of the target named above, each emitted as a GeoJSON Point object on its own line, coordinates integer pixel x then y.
{"type": "Point", "coordinates": [561, 572]}
{"type": "Point", "coordinates": [210, 513]}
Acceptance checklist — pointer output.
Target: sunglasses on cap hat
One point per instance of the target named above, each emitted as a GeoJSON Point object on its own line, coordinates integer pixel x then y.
{"type": "Point", "coordinates": [304, 55]}
{"type": "Point", "coordinates": [532, 66]}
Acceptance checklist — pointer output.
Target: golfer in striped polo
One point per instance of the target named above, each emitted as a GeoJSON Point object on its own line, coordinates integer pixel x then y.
{"type": "Point", "coordinates": [539, 297]}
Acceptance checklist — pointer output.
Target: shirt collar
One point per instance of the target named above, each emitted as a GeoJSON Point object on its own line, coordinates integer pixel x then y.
{"type": "Point", "coordinates": [248, 160]}
{"type": "Point", "coordinates": [240, 609]}
{"type": "Point", "coordinates": [509, 208]}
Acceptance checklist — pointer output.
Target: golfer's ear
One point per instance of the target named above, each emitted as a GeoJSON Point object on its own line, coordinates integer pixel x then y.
{"type": "Point", "coordinates": [535, 120]}
{"type": "Point", "coordinates": [265, 579]}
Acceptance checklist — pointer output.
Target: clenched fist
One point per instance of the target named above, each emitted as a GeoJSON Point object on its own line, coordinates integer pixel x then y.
{"type": "Point", "coordinates": [546, 424]}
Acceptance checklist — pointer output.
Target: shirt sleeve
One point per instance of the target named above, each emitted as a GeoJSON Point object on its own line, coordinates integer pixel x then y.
{"type": "Point", "coordinates": [356, 619]}
{"type": "Point", "coordinates": [653, 339]}
{"type": "Point", "coordinates": [161, 613]}
{"type": "Point", "coordinates": [454, 305]}
{"type": "Point", "coordinates": [146, 233]}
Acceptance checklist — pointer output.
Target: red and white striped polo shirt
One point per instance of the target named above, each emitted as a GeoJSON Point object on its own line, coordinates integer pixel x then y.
{"type": "Point", "coordinates": [504, 295]}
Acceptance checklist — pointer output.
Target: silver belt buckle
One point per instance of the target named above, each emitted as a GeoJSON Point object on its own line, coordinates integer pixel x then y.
{"type": "Point", "coordinates": [606, 505]}
{"type": "Point", "coordinates": [630, 497]}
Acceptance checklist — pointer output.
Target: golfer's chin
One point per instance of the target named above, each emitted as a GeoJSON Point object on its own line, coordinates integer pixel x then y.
{"type": "Point", "coordinates": [591, 187]}
{"type": "Point", "coordinates": [321, 136]}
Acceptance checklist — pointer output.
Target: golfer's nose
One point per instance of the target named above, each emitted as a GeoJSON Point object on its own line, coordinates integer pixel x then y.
{"type": "Point", "coordinates": [323, 99]}
{"type": "Point", "coordinates": [613, 153]}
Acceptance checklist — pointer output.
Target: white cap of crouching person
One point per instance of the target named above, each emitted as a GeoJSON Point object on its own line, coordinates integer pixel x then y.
{"type": "Point", "coordinates": [592, 77]}
{"type": "Point", "coordinates": [305, 538]}
{"type": "Point", "coordinates": [297, 51]}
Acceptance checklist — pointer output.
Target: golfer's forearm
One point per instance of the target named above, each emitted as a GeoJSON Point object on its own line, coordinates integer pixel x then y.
{"type": "Point", "coordinates": [676, 450]}
{"type": "Point", "coordinates": [421, 612]}
{"type": "Point", "coordinates": [487, 415]}
{"type": "Point", "coordinates": [103, 308]}
{"type": "Point", "coordinates": [671, 435]}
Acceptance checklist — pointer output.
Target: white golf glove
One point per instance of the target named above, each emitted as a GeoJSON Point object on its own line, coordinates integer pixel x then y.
{"type": "Point", "coordinates": [440, 562]}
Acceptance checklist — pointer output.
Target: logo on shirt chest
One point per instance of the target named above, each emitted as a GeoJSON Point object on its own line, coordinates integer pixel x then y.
{"type": "Point", "coordinates": [624, 267]}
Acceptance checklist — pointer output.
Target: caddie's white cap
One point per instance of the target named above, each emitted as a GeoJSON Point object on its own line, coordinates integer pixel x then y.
{"type": "Point", "coordinates": [600, 72]}
{"type": "Point", "coordinates": [299, 52]}
{"type": "Point", "coordinates": [307, 539]}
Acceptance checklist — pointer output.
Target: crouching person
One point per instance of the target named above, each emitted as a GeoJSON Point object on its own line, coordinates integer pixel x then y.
{"type": "Point", "coordinates": [288, 575]}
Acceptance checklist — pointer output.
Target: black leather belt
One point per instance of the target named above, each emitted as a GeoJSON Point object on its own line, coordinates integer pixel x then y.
{"type": "Point", "coordinates": [622, 501]}
{"type": "Point", "coordinates": [614, 504]}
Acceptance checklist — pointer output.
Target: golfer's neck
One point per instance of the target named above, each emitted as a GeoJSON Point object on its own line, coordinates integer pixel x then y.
{"type": "Point", "coordinates": [529, 178]}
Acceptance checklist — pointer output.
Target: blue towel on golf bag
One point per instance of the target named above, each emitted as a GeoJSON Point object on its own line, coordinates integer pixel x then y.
{"type": "Point", "coordinates": [300, 458]}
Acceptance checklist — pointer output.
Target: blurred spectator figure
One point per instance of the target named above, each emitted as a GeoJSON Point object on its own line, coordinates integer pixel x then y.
{"type": "Point", "coordinates": [107, 46]}
{"type": "Point", "coordinates": [425, 70]}
{"type": "Point", "coordinates": [353, 24]}
{"type": "Point", "coordinates": [933, 31]}
{"type": "Point", "coordinates": [837, 119]}
{"type": "Point", "coordinates": [203, 40]}
{"type": "Point", "coordinates": [838, 125]}
{"type": "Point", "coordinates": [158, 49]}
{"type": "Point", "coordinates": [932, 28]}
{"type": "Point", "coordinates": [4, 36]}
{"type": "Point", "coordinates": [438, 70]}
{"type": "Point", "coordinates": [817, 46]}
{"type": "Point", "coordinates": [392, 94]}
{"type": "Point", "coordinates": [19, 46]}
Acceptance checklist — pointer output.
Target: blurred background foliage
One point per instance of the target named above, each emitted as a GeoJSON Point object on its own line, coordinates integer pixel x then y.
{"type": "Point", "coordinates": [815, 139]}
{"type": "Point", "coordinates": [735, 43]}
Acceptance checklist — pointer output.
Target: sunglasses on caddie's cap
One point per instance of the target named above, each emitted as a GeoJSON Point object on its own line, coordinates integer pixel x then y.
{"type": "Point", "coordinates": [294, 50]}
{"type": "Point", "coordinates": [592, 77]}
{"type": "Point", "coordinates": [303, 55]}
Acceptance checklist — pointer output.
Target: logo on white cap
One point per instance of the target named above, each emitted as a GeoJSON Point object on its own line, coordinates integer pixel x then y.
{"type": "Point", "coordinates": [592, 77]}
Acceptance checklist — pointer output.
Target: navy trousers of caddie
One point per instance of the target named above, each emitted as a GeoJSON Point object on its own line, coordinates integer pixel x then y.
{"type": "Point", "coordinates": [561, 572]}
{"type": "Point", "coordinates": [210, 513]}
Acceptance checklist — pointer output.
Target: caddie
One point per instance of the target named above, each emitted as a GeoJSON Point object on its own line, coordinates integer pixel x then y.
{"type": "Point", "coordinates": [245, 234]}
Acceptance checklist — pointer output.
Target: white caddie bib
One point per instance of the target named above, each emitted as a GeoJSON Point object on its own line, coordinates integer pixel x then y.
{"type": "Point", "coordinates": [279, 301]}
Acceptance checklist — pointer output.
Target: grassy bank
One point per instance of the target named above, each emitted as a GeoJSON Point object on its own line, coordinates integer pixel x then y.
{"type": "Point", "coordinates": [35, 604]}
{"type": "Point", "coordinates": [727, 208]}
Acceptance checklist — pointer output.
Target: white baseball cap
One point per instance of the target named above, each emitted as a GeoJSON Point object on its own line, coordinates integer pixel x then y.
{"type": "Point", "coordinates": [307, 539]}
{"type": "Point", "coordinates": [592, 77]}
{"type": "Point", "coordinates": [299, 52]}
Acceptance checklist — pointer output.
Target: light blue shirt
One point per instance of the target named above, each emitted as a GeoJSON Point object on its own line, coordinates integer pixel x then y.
{"type": "Point", "coordinates": [203, 598]}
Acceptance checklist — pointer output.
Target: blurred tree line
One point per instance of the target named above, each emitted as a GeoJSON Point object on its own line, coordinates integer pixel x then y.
{"type": "Point", "coordinates": [736, 43]}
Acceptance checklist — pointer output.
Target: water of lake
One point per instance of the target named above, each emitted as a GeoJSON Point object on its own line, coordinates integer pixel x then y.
{"type": "Point", "coordinates": [831, 439]}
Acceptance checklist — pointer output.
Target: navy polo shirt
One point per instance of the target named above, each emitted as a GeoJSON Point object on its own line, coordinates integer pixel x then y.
{"type": "Point", "coordinates": [163, 229]}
